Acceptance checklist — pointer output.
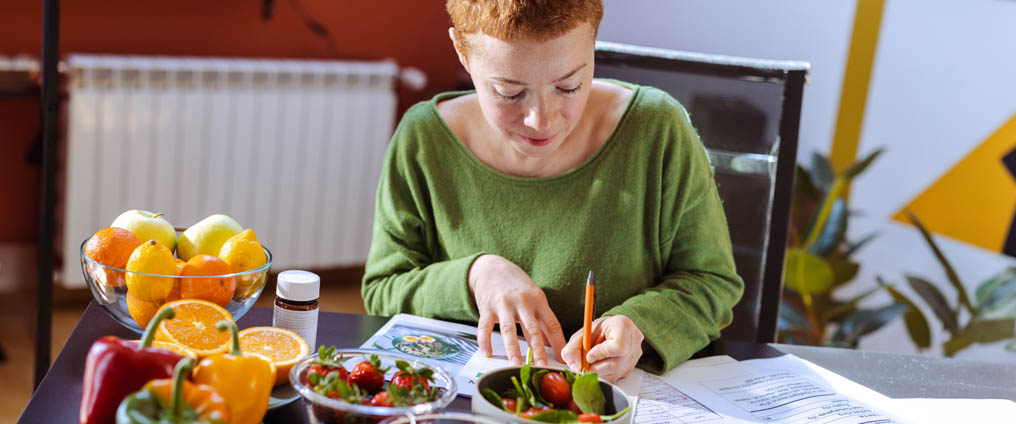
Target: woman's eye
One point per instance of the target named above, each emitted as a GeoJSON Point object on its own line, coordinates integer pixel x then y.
{"type": "Point", "coordinates": [508, 97]}
{"type": "Point", "coordinates": [570, 90]}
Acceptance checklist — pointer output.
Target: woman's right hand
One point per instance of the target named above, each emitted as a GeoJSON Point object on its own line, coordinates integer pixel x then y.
{"type": "Point", "coordinates": [505, 294]}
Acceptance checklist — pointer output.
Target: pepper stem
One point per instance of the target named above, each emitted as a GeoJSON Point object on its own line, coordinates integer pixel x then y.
{"type": "Point", "coordinates": [226, 324]}
{"type": "Point", "coordinates": [179, 377]}
{"type": "Point", "coordinates": [149, 336]}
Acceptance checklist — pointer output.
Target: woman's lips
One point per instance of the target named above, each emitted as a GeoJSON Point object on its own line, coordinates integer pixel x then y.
{"type": "Point", "coordinates": [538, 142]}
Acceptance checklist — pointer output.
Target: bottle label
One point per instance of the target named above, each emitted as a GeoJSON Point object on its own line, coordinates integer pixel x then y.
{"type": "Point", "coordinates": [303, 323]}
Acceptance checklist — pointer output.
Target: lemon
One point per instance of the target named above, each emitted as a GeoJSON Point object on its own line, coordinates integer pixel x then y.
{"type": "Point", "coordinates": [151, 257]}
{"type": "Point", "coordinates": [243, 252]}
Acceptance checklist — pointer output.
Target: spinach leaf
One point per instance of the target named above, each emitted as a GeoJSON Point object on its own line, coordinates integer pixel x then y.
{"type": "Point", "coordinates": [537, 377]}
{"type": "Point", "coordinates": [493, 397]}
{"type": "Point", "coordinates": [606, 418]}
{"type": "Point", "coordinates": [587, 394]}
{"type": "Point", "coordinates": [556, 416]}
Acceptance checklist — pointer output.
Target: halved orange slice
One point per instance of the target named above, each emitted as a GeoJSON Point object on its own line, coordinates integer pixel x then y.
{"type": "Point", "coordinates": [194, 327]}
{"type": "Point", "coordinates": [283, 347]}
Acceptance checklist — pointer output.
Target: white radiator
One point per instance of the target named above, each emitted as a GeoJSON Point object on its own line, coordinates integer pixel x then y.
{"type": "Point", "coordinates": [291, 149]}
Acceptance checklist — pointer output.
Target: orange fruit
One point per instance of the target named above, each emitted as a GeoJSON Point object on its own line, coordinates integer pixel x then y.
{"type": "Point", "coordinates": [111, 247]}
{"type": "Point", "coordinates": [172, 347]}
{"type": "Point", "coordinates": [283, 347]}
{"type": "Point", "coordinates": [151, 257]}
{"type": "Point", "coordinates": [141, 310]}
{"type": "Point", "coordinates": [194, 327]}
{"type": "Point", "coordinates": [218, 290]}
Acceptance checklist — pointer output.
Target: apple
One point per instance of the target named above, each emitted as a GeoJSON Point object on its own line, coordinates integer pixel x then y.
{"type": "Point", "coordinates": [147, 226]}
{"type": "Point", "coordinates": [207, 236]}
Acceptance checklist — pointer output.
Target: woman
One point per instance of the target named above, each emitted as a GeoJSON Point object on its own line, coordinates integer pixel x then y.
{"type": "Point", "coordinates": [493, 205]}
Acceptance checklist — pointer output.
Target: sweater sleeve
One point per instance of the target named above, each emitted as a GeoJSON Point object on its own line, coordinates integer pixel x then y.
{"type": "Point", "coordinates": [402, 274]}
{"type": "Point", "coordinates": [693, 298]}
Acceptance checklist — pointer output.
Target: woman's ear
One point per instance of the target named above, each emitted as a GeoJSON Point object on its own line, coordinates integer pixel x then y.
{"type": "Point", "coordinates": [457, 43]}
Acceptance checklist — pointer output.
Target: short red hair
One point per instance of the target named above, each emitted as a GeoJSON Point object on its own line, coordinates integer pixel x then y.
{"type": "Point", "coordinates": [514, 19]}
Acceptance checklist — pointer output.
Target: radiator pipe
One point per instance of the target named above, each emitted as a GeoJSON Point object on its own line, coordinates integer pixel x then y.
{"type": "Point", "coordinates": [50, 112]}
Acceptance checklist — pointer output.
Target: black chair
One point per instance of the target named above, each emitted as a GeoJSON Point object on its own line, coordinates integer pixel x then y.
{"type": "Point", "coordinates": [747, 112]}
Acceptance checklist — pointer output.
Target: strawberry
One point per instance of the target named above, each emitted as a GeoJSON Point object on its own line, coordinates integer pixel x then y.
{"type": "Point", "coordinates": [381, 399]}
{"type": "Point", "coordinates": [368, 375]}
{"type": "Point", "coordinates": [407, 377]}
{"type": "Point", "coordinates": [328, 361]}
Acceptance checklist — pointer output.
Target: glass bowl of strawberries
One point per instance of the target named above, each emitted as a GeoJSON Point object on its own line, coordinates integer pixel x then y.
{"type": "Point", "coordinates": [368, 386]}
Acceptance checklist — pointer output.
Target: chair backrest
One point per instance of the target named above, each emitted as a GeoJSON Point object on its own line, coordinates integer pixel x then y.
{"type": "Point", "coordinates": [747, 112]}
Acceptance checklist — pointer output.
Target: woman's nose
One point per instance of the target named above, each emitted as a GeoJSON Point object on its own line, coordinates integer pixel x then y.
{"type": "Point", "coordinates": [540, 115]}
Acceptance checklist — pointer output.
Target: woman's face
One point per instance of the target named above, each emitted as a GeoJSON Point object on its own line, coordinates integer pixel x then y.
{"type": "Point", "coordinates": [532, 93]}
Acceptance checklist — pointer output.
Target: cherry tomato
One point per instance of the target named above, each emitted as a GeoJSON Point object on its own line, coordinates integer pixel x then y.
{"type": "Point", "coordinates": [509, 404]}
{"type": "Point", "coordinates": [532, 412]}
{"type": "Point", "coordinates": [555, 389]}
{"type": "Point", "coordinates": [590, 417]}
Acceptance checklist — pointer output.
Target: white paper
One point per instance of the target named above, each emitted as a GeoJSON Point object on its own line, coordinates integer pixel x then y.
{"type": "Point", "coordinates": [786, 389]}
{"type": "Point", "coordinates": [659, 402]}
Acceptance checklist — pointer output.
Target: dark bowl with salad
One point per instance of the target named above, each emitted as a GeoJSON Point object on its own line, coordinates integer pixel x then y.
{"type": "Point", "coordinates": [368, 386]}
{"type": "Point", "coordinates": [530, 394]}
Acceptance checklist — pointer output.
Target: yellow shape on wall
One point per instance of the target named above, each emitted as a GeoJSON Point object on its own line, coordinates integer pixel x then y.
{"type": "Point", "coordinates": [975, 201]}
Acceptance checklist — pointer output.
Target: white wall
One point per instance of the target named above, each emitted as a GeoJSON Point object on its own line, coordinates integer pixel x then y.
{"type": "Point", "coordinates": [815, 32]}
{"type": "Point", "coordinates": [944, 79]}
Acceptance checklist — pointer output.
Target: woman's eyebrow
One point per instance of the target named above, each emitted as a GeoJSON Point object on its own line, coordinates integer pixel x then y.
{"type": "Point", "coordinates": [516, 82]}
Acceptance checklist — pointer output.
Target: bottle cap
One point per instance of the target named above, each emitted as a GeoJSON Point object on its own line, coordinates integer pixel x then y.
{"type": "Point", "coordinates": [298, 286]}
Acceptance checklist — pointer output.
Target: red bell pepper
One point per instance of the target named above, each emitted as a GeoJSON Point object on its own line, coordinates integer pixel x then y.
{"type": "Point", "coordinates": [116, 368]}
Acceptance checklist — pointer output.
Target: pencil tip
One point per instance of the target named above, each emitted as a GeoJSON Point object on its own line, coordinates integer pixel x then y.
{"type": "Point", "coordinates": [589, 279]}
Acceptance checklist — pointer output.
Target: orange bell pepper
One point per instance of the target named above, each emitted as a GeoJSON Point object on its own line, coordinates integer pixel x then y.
{"type": "Point", "coordinates": [245, 380]}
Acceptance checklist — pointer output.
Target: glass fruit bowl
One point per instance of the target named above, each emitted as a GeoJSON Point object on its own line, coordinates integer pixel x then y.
{"type": "Point", "coordinates": [109, 288]}
{"type": "Point", "coordinates": [323, 409]}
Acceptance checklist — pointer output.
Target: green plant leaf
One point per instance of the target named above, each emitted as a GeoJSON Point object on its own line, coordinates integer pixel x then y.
{"type": "Point", "coordinates": [587, 394]}
{"type": "Point", "coordinates": [790, 318]}
{"type": "Point", "coordinates": [843, 270]}
{"type": "Point", "coordinates": [831, 234]}
{"type": "Point", "coordinates": [606, 418]}
{"type": "Point", "coordinates": [494, 398]}
{"type": "Point", "coordinates": [990, 330]}
{"type": "Point", "coordinates": [853, 247]}
{"type": "Point", "coordinates": [950, 273]}
{"type": "Point", "coordinates": [936, 300]}
{"type": "Point", "coordinates": [917, 324]}
{"type": "Point", "coordinates": [556, 416]}
{"type": "Point", "coordinates": [980, 331]}
{"type": "Point", "coordinates": [996, 297]}
{"type": "Point", "coordinates": [955, 344]}
{"type": "Point", "coordinates": [818, 222]}
{"type": "Point", "coordinates": [821, 172]}
{"type": "Point", "coordinates": [865, 321]}
{"type": "Point", "coordinates": [861, 165]}
{"type": "Point", "coordinates": [834, 314]}
{"type": "Point", "coordinates": [535, 385]}
{"type": "Point", "coordinates": [807, 273]}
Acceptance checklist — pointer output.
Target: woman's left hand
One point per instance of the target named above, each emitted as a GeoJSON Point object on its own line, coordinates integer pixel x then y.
{"type": "Point", "coordinates": [616, 348]}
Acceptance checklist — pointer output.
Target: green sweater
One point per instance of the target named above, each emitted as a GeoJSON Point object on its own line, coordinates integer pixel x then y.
{"type": "Point", "coordinates": [643, 213]}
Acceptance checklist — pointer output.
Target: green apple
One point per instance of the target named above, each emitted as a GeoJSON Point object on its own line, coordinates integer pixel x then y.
{"type": "Point", "coordinates": [147, 226]}
{"type": "Point", "coordinates": [207, 236]}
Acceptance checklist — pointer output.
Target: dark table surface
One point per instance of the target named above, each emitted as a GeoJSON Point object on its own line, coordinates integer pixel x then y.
{"type": "Point", "coordinates": [900, 376]}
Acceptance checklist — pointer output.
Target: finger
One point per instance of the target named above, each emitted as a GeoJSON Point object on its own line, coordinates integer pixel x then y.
{"type": "Point", "coordinates": [572, 352]}
{"type": "Point", "coordinates": [483, 330]}
{"type": "Point", "coordinates": [611, 369]}
{"type": "Point", "coordinates": [609, 348]}
{"type": "Point", "coordinates": [552, 329]}
{"type": "Point", "coordinates": [509, 337]}
{"type": "Point", "coordinates": [534, 336]}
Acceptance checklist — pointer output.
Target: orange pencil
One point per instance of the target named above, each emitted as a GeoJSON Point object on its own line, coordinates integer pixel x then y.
{"type": "Point", "coordinates": [587, 320]}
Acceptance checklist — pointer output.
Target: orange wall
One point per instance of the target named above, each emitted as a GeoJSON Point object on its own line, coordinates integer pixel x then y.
{"type": "Point", "coordinates": [413, 32]}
